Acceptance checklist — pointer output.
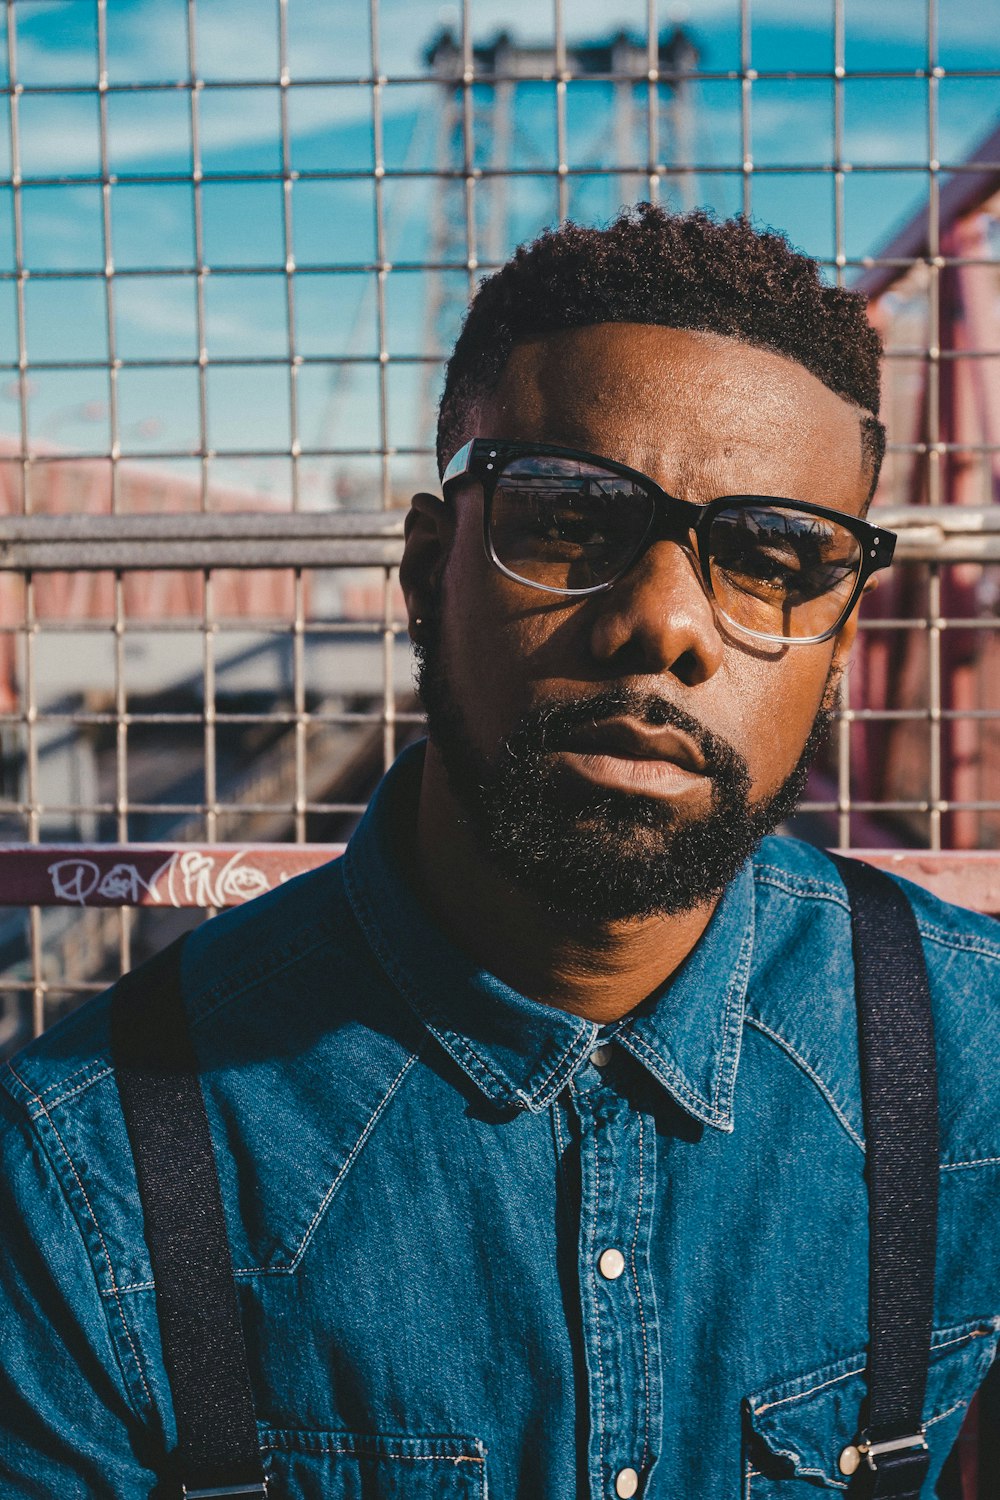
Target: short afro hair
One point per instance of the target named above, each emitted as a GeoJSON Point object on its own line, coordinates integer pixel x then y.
{"type": "Point", "coordinates": [680, 271]}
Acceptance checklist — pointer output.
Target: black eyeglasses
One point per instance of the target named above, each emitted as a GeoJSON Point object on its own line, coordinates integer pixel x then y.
{"type": "Point", "coordinates": [573, 523]}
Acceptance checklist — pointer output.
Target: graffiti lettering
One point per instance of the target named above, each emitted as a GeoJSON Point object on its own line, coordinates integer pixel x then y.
{"type": "Point", "coordinates": [187, 877]}
{"type": "Point", "coordinates": [123, 884]}
{"type": "Point", "coordinates": [73, 880]}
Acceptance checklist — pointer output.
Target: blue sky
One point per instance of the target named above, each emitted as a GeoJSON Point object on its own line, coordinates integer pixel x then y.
{"type": "Point", "coordinates": [152, 223]}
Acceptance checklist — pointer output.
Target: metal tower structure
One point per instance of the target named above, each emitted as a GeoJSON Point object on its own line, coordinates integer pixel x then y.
{"type": "Point", "coordinates": [639, 130]}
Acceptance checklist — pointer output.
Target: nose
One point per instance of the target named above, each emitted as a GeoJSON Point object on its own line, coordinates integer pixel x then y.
{"type": "Point", "coordinates": [659, 619]}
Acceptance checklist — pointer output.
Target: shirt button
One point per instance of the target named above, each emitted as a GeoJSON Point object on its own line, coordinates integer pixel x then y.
{"type": "Point", "coordinates": [600, 1057]}
{"type": "Point", "coordinates": [626, 1483]}
{"type": "Point", "coordinates": [611, 1265]}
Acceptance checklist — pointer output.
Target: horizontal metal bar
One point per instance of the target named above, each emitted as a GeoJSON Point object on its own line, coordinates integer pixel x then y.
{"type": "Point", "coordinates": [148, 456]}
{"type": "Point", "coordinates": [52, 455]}
{"type": "Point", "coordinates": [227, 361]}
{"type": "Point", "coordinates": [169, 875]}
{"type": "Point", "coordinates": [471, 263]}
{"type": "Point", "coordinates": [339, 539]}
{"type": "Point", "coordinates": [302, 361]}
{"type": "Point", "coordinates": [334, 539]}
{"type": "Point", "coordinates": [483, 77]}
{"type": "Point", "coordinates": [217, 875]}
{"type": "Point", "coordinates": [557, 170]}
{"type": "Point", "coordinates": [943, 533]}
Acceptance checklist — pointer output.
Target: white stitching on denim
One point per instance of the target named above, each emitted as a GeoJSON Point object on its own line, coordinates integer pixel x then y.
{"type": "Point", "coordinates": [945, 1344]}
{"type": "Point", "coordinates": [470, 1061]}
{"type": "Point", "coordinates": [438, 1458]}
{"type": "Point", "coordinates": [708, 1110]}
{"type": "Point", "coordinates": [738, 987]}
{"type": "Point", "coordinates": [71, 1093]}
{"type": "Point", "coordinates": [289, 1266]}
{"type": "Point", "coordinates": [132, 1286]}
{"type": "Point", "coordinates": [561, 1146]}
{"type": "Point", "coordinates": [568, 1061]}
{"type": "Point", "coordinates": [800, 885]}
{"type": "Point", "coordinates": [778, 877]}
{"type": "Point", "coordinates": [962, 944]}
{"type": "Point", "coordinates": [811, 1072]}
{"type": "Point", "coordinates": [100, 1236]}
{"type": "Point", "coordinates": [963, 1338]}
{"type": "Point", "coordinates": [979, 1161]}
{"type": "Point", "coordinates": [942, 1414]}
{"type": "Point", "coordinates": [593, 1277]}
{"type": "Point", "coordinates": [798, 1396]}
{"type": "Point", "coordinates": [371, 931]}
{"type": "Point", "coordinates": [675, 1083]}
{"type": "Point", "coordinates": [565, 1063]}
{"type": "Point", "coordinates": [642, 1317]}
{"type": "Point", "coordinates": [837, 1484]}
{"type": "Point", "coordinates": [65, 1078]}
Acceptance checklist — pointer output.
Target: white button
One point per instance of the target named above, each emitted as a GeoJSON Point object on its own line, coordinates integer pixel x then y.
{"type": "Point", "coordinates": [601, 1056]}
{"type": "Point", "coordinates": [849, 1460]}
{"type": "Point", "coordinates": [626, 1483]}
{"type": "Point", "coordinates": [611, 1265]}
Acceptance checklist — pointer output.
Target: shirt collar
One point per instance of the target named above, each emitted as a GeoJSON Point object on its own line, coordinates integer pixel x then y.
{"type": "Point", "coordinates": [519, 1052]}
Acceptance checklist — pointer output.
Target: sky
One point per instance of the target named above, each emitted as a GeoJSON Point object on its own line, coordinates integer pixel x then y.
{"type": "Point", "coordinates": [246, 314]}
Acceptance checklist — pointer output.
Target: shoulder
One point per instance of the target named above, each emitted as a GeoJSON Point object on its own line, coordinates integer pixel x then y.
{"type": "Point", "coordinates": [300, 1038]}
{"type": "Point", "coordinates": [225, 960]}
{"type": "Point", "coordinates": [801, 884]}
{"type": "Point", "coordinates": [802, 989]}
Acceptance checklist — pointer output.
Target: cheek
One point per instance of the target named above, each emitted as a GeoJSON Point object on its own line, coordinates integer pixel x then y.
{"type": "Point", "coordinates": [777, 702]}
{"type": "Point", "coordinates": [485, 636]}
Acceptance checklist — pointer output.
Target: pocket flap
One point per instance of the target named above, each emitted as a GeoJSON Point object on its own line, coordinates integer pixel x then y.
{"type": "Point", "coordinates": [312, 1465]}
{"type": "Point", "coordinates": [808, 1421]}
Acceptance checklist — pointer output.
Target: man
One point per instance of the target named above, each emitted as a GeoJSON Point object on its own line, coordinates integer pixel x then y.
{"type": "Point", "coordinates": [538, 1117]}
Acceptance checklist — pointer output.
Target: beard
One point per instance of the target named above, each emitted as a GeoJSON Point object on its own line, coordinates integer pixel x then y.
{"type": "Point", "coordinates": [589, 854]}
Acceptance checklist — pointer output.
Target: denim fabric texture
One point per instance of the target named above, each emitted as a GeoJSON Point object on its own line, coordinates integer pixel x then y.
{"type": "Point", "coordinates": [423, 1172]}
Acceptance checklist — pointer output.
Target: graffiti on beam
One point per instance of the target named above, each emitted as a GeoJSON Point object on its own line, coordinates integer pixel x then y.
{"type": "Point", "coordinates": [188, 877]}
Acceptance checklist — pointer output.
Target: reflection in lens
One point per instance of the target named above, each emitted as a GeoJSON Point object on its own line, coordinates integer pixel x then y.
{"type": "Point", "coordinates": [780, 572]}
{"type": "Point", "coordinates": [566, 524]}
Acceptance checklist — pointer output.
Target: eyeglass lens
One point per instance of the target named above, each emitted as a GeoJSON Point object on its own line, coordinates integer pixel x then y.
{"type": "Point", "coordinates": [569, 525]}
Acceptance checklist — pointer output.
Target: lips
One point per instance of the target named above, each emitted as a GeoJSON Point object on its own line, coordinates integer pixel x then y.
{"type": "Point", "coordinates": [627, 739]}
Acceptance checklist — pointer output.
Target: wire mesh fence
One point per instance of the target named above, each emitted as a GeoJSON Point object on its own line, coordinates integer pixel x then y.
{"type": "Point", "coordinates": [236, 242]}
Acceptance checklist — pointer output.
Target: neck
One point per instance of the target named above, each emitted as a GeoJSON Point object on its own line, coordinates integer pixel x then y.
{"type": "Point", "coordinates": [601, 974]}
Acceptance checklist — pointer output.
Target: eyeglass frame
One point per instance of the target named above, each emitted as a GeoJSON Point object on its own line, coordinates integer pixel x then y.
{"type": "Point", "coordinates": [485, 459]}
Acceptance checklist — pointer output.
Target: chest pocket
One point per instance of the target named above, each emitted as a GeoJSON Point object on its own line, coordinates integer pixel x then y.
{"type": "Point", "coordinates": [347, 1466]}
{"type": "Point", "coordinates": [798, 1430]}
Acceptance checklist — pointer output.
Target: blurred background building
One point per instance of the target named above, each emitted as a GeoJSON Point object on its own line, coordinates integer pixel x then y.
{"type": "Point", "coordinates": [237, 238]}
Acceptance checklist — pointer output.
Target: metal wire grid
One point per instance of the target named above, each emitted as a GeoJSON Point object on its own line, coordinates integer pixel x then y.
{"type": "Point", "coordinates": [384, 710]}
{"type": "Point", "coordinates": [654, 171]}
{"type": "Point", "coordinates": [271, 791]}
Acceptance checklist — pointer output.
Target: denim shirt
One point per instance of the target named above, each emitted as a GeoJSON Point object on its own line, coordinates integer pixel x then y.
{"type": "Point", "coordinates": [483, 1246]}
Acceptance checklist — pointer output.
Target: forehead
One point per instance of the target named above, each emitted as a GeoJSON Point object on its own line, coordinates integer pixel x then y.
{"type": "Point", "coordinates": [704, 415]}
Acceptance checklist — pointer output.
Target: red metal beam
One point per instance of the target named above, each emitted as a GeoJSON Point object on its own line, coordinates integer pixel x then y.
{"type": "Point", "coordinates": [196, 875]}
{"type": "Point", "coordinates": [961, 194]}
{"type": "Point", "coordinates": [202, 875]}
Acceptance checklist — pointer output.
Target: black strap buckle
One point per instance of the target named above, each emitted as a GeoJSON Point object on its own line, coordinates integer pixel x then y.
{"type": "Point", "coordinates": [870, 1451]}
{"type": "Point", "coordinates": [258, 1491]}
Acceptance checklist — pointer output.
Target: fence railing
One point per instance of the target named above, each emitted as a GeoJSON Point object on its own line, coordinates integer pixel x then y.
{"type": "Point", "coordinates": [364, 538]}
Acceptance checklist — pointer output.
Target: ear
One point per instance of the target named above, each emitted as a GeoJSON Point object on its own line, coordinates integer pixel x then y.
{"type": "Point", "coordinates": [427, 532]}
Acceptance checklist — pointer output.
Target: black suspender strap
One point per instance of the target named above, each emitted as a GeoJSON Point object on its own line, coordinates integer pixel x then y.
{"type": "Point", "coordinates": [203, 1347]}
{"type": "Point", "coordinates": [899, 1091]}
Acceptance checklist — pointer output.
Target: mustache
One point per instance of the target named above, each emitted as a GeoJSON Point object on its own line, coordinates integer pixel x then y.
{"type": "Point", "coordinates": [547, 728]}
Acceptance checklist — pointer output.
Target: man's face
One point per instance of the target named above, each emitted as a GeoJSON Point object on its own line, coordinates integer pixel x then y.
{"type": "Point", "coordinates": [540, 707]}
